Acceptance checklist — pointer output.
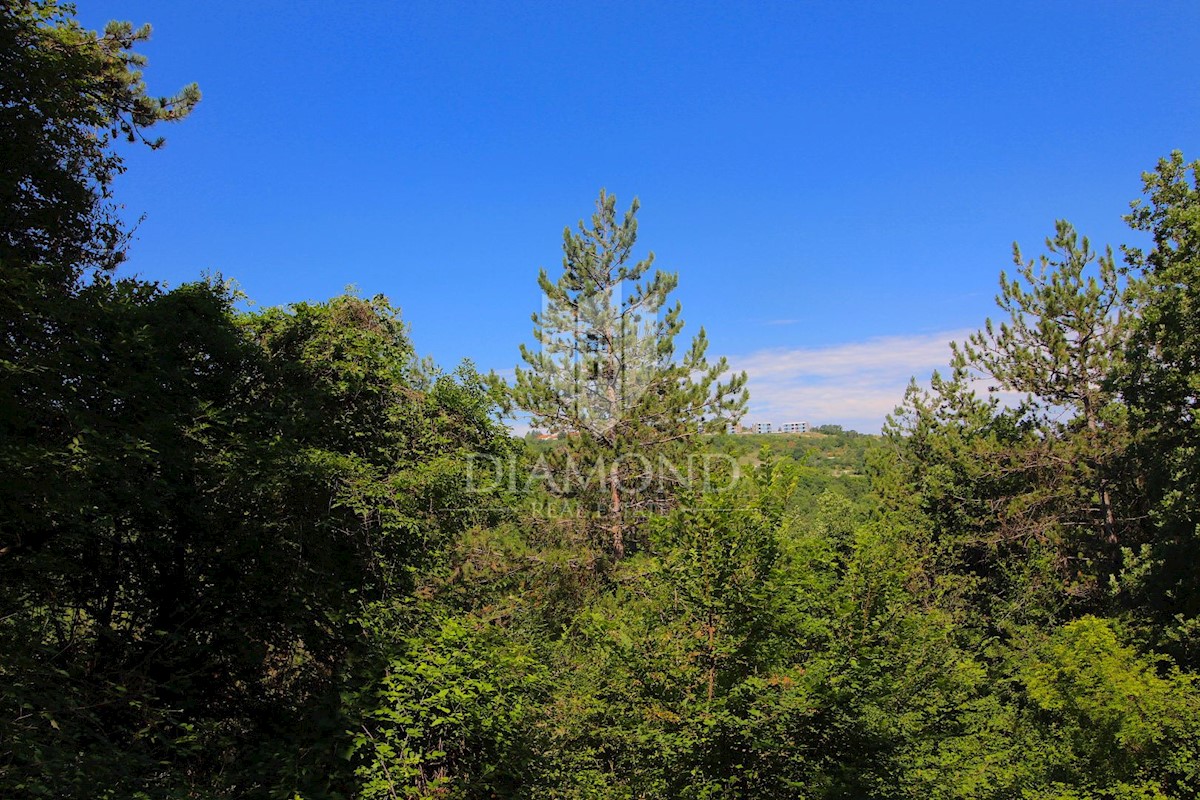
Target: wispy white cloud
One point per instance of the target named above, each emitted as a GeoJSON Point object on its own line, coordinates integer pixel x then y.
{"type": "Point", "coordinates": [854, 384]}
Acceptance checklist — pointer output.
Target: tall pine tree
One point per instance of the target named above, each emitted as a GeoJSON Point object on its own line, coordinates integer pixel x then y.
{"type": "Point", "coordinates": [1161, 383]}
{"type": "Point", "coordinates": [606, 376]}
{"type": "Point", "coordinates": [1059, 347]}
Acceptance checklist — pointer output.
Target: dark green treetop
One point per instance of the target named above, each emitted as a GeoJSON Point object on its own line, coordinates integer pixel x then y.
{"type": "Point", "coordinates": [65, 94]}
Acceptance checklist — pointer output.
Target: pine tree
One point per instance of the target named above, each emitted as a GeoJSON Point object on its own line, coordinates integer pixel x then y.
{"type": "Point", "coordinates": [1162, 382]}
{"type": "Point", "coordinates": [1030, 496]}
{"type": "Point", "coordinates": [1059, 347]}
{"type": "Point", "coordinates": [606, 376]}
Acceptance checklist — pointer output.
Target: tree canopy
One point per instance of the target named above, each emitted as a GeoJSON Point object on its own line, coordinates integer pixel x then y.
{"type": "Point", "coordinates": [252, 552]}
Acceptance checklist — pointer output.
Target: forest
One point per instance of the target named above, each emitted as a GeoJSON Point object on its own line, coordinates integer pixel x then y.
{"type": "Point", "coordinates": [273, 553]}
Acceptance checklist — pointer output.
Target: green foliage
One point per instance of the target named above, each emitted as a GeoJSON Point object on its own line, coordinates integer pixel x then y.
{"type": "Point", "coordinates": [735, 656]}
{"type": "Point", "coordinates": [227, 492]}
{"type": "Point", "coordinates": [1115, 718]}
{"type": "Point", "coordinates": [915, 617]}
{"type": "Point", "coordinates": [454, 716]}
{"type": "Point", "coordinates": [258, 554]}
{"type": "Point", "coordinates": [1162, 384]}
{"type": "Point", "coordinates": [66, 92]}
{"type": "Point", "coordinates": [1020, 513]}
{"type": "Point", "coordinates": [1033, 500]}
{"type": "Point", "coordinates": [982, 490]}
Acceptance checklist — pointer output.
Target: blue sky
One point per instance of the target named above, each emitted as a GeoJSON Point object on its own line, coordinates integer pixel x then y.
{"type": "Point", "coordinates": [838, 184]}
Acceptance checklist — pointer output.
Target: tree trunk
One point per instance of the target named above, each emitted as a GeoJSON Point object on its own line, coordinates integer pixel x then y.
{"type": "Point", "coordinates": [618, 534]}
{"type": "Point", "coordinates": [1106, 508]}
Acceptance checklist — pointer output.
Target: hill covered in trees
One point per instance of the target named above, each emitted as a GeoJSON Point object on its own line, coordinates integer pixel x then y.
{"type": "Point", "coordinates": [271, 553]}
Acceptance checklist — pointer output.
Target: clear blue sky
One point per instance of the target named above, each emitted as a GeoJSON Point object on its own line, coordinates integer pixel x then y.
{"type": "Point", "coordinates": [823, 176]}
